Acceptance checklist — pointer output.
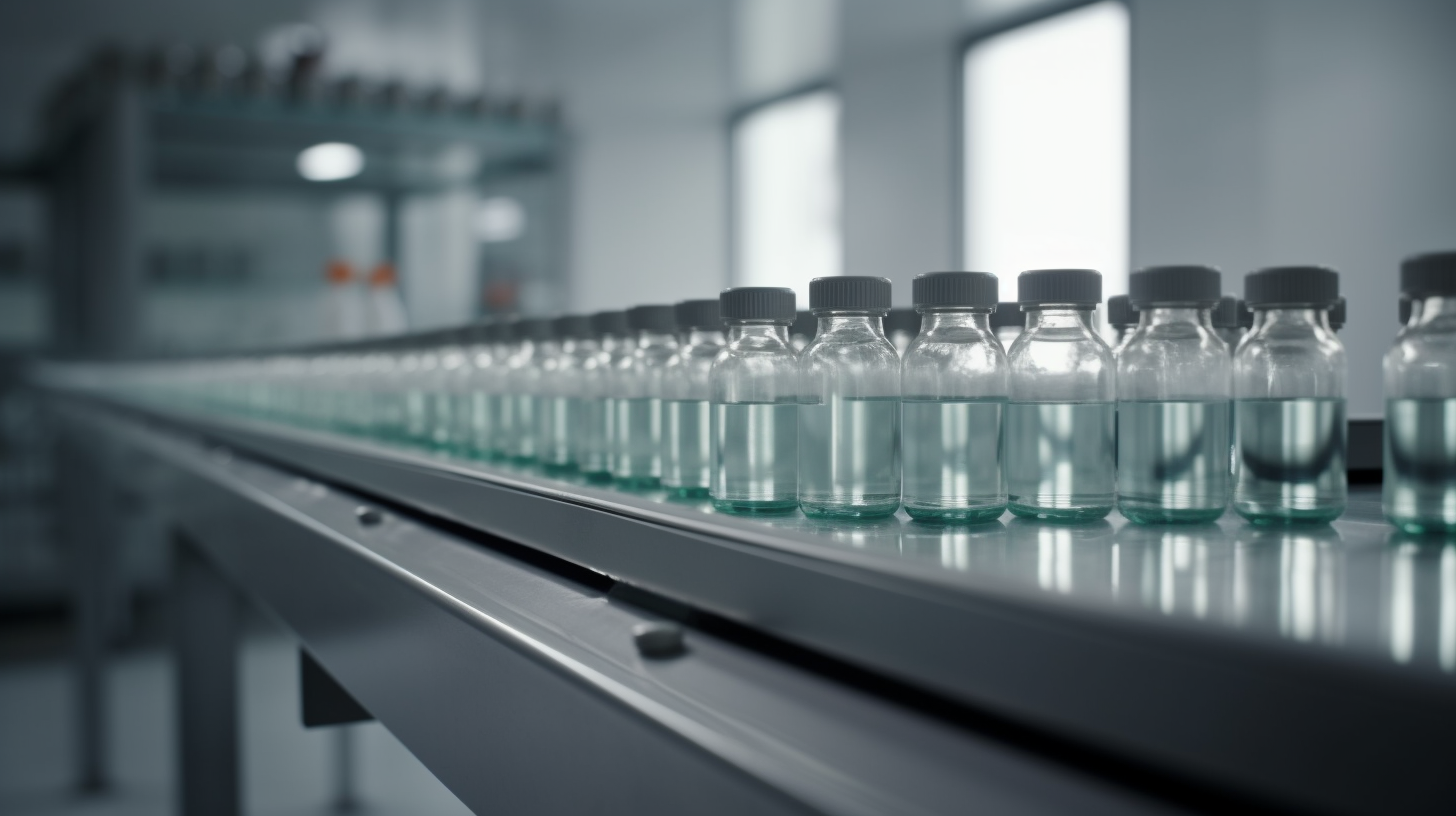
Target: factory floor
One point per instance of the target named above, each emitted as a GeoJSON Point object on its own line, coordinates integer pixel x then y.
{"type": "Point", "coordinates": [287, 770]}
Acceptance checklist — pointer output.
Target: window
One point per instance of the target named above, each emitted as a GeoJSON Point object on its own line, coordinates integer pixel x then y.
{"type": "Point", "coordinates": [1046, 146]}
{"type": "Point", "coordinates": [786, 193]}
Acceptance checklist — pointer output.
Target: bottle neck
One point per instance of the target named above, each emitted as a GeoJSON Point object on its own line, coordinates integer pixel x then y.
{"type": "Point", "coordinates": [1166, 315]}
{"type": "Point", "coordinates": [757, 330]}
{"type": "Point", "coordinates": [850, 323]}
{"type": "Point", "coordinates": [647, 338]}
{"type": "Point", "coordinates": [705, 337]}
{"type": "Point", "coordinates": [1426, 309]}
{"type": "Point", "coordinates": [1266, 319]}
{"type": "Point", "coordinates": [1058, 317]}
{"type": "Point", "coordinates": [938, 319]}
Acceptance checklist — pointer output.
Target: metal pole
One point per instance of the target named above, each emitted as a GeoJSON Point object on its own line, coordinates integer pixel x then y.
{"type": "Point", "coordinates": [206, 617]}
{"type": "Point", "coordinates": [346, 799]}
{"type": "Point", "coordinates": [79, 521]}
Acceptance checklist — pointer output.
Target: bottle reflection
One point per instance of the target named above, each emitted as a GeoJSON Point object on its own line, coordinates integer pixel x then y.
{"type": "Point", "coordinates": [1064, 559]}
{"type": "Point", "coordinates": [1291, 580]}
{"type": "Point", "coordinates": [981, 549]}
{"type": "Point", "coordinates": [1421, 601]}
{"type": "Point", "coordinates": [1177, 570]}
{"type": "Point", "coordinates": [880, 536]}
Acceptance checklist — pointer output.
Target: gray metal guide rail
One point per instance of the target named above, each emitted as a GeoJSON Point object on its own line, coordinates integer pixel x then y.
{"type": "Point", "coordinates": [1221, 667]}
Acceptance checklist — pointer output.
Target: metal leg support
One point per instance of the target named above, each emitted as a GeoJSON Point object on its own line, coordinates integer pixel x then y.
{"type": "Point", "coordinates": [206, 614]}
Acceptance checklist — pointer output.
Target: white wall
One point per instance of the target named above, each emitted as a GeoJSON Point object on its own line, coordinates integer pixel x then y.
{"type": "Point", "coordinates": [1297, 131]}
{"type": "Point", "coordinates": [898, 131]}
{"type": "Point", "coordinates": [646, 87]}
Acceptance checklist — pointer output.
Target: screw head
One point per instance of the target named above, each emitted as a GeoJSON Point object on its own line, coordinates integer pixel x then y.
{"type": "Point", "coordinates": [368, 516]}
{"type": "Point", "coordinates": [659, 640]}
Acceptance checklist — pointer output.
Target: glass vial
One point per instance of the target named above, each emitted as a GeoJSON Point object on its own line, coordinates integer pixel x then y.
{"type": "Point", "coordinates": [1122, 318]}
{"type": "Point", "coordinates": [637, 437]}
{"type": "Point", "coordinates": [687, 390]}
{"type": "Point", "coordinates": [474, 413]}
{"type": "Point", "coordinates": [1289, 400]}
{"type": "Point", "coordinates": [953, 395]}
{"type": "Point", "coordinates": [560, 410]}
{"type": "Point", "coordinates": [499, 399]}
{"type": "Point", "coordinates": [594, 433]}
{"type": "Point", "coordinates": [524, 380]}
{"type": "Point", "coordinates": [849, 403]}
{"type": "Point", "coordinates": [1061, 415]}
{"type": "Point", "coordinates": [754, 424]}
{"type": "Point", "coordinates": [1420, 394]}
{"type": "Point", "coordinates": [1173, 411]}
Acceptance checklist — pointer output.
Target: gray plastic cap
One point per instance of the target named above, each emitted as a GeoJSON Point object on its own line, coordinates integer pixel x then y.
{"type": "Point", "coordinates": [971, 290]}
{"type": "Point", "coordinates": [1157, 285]}
{"type": "Point", "coordinates": [1433, 273]}
{"type": "Point", "coordinates": [500, 331]}
{"type": "Point", "coordinates": [1008, 313]}
{"type": "Point", "coordinates": [1120, 313]}
{"type": "Point", "coordinates": [536, 328]}
{"type": "Point", "coordinates": [1226, 313]}
{"type": "Point", "coordinates": [771, 303]}
{"type": "Point", "coordinates": [850, 293]}
{"type": "Point", "coordinates": [660, 319]}
{"type": "Point", "coordinates": [611, 323]}
{"type": "Point", "coordinates": [1292, 286]}
{"type": "Point", "coordinates": [698, 314]}
{"type": "Point", "coordinates": [576, 327]}
{"type": "Point", "coordinates": [1078, 287]}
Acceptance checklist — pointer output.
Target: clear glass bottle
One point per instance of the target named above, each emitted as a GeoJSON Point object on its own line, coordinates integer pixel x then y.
{"type": "Point", "coordinates": [473, 413]}
{"type": "Point", "coordinates": [1289, 400]}
{"type": "Point", "coordinates": [1122, 318]}
{"type": "Point", "coordinates": [1420, 400]}
{"type": "Point", "coordinates": [637, 437]}
{"type": "Point", "coordinates": [953, 395]}
{"type": "Point", "coordinates": [849, 403]}
{"type": "Point", "coordinates": [560, 411]}
{"type": "Point", "coordinates": [1007, 322]}
{"type": "Point", "coordinates": [1226, 322]}
{"type": "Point", "coordinates": [598, 409]}
{"type": "Point", "coordinates": [754, 425]}
{"type": "Point", "coordinates": [1173, 411]}
{"type": "Point", "coordinates": [687, 390]}
{"type": "Point", "coordinates": [443, 395]}
{"type": "Point", "coordinates": [1061, 417]}
{"type": "Point", "coordinates": [524, 378]}
{"type": "Point", "coordinates": [500, 399]}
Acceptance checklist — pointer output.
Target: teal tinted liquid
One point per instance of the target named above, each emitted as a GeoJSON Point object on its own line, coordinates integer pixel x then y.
{"type": "Point", "coordinates": [755, 457]}
{"type": "Point", "coordinates": [1059, 459]}
{"type": "Point", "coordinates": [1291, 460]}
{"type": "Point", "coordinates": [849, 457]}
{"type": "Point", "coordinates": [1420, 464]}
{"type": "Point", "coordinates": [553, 432]}
{"type": "Point", "coordinates": [952, 456]}
{"type": "Point", "coordinates": [686, 448]}
{"type": "Point", "coordinates": [417, 416]}
{"type": "Point", "coordinates": [590, 435]}
{"type": "Point", "coordinates": [503, 425]}
{"type": "Point", "coordinates": [520, 439]}
{"type": "Point", "coordinates": [1172, 460]}
{"type": "Point", "coordinates": [637, 454]}
{"type": "Point", "coordinates": [442, 420]}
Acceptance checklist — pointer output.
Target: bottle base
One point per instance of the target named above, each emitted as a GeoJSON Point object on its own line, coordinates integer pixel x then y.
{"type": "Point", "coordinates": [558, 468]}
{"type": "Point", "coordinates": [1064, 515]}
{"type": "Point", "coordinates": [865, 508]}
{"type": "Point", "coordinates": [1152, 514]}
{"type": "Point", "coordinates": [955, 515]}
{"type": "Point", "coordinates": [745, 507]}
{"type": "Point", "coordinates": [597, 476]}
{"type": "Point", "coordinates": [1422, 526]}
{"type": "Point", "coordinates": [687, 492]}
{"type": "Point", "coordinates": [1273, 515]}
{"type": "Point", "coordinates": [639, 482]}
